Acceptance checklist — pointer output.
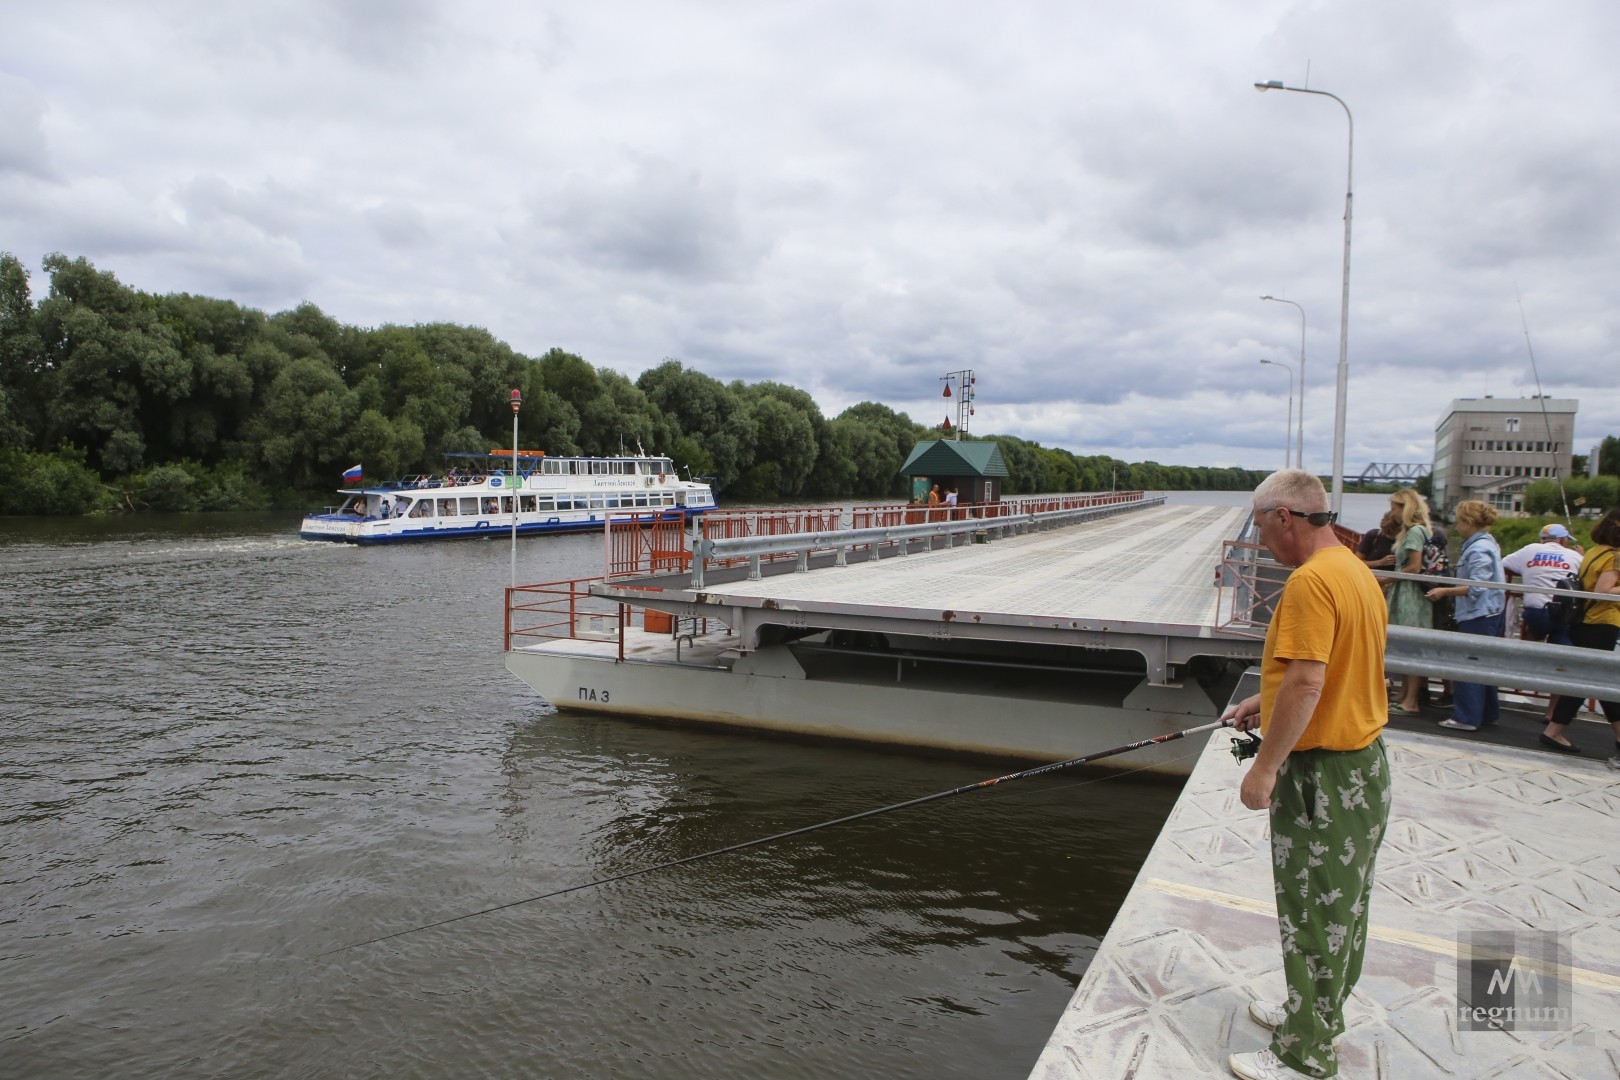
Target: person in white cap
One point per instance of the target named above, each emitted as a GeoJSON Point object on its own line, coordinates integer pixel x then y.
{"type": "Point", "coordinates": [1543, 564]}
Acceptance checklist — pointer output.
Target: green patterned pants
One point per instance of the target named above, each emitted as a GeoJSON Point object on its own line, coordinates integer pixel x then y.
{"type": "Point", "coordinates": [1328, 815]}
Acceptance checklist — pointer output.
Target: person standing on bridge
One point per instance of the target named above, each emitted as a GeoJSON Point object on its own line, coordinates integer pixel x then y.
{"type": "Point", "coordinates": [1322, 771]}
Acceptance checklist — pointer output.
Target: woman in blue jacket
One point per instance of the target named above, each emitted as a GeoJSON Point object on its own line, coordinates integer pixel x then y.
{"type": "Point", "coordinates": [1479, 611]}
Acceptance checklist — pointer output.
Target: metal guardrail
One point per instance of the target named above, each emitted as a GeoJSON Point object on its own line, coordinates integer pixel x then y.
{"type": "Point", "coordinates": [1439, 654]}
{"type": "Point", "coordinates": [1522, 665]}
{"type": "Point", "coordinates": [755, 548]}
{"type": "Point", "coordinates": [1507, 586]}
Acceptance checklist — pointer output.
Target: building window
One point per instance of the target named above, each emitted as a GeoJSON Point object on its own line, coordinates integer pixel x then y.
{"type": "Point", "coordinates": [1512, 424]}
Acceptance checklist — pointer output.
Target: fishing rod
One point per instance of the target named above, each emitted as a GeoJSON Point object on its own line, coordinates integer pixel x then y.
{"type": "Point", "coordinates": [1563, 496]}
{"type": "Point", "coordinates": [1240, 750]}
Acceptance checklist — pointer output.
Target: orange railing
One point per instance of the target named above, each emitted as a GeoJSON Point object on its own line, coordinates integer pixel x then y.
{"type": "Point", "coordinates": [645, 543]}
{"type": "Point", "coordinates": [557, 610]}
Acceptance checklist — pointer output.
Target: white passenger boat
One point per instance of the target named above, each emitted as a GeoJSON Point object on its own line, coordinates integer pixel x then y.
{"type": "Point", "coordinates": [474, 497]}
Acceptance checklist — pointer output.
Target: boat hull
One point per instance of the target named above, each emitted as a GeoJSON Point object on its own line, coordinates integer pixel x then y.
{"type": "Point", "coordinates": [347, 529]}
{"type": "Point", "coordinates": [767, 691]}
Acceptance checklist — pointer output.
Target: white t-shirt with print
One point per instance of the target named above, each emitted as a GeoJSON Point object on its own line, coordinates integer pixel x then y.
{"type": "Point", "coordinates": [1543, 565]}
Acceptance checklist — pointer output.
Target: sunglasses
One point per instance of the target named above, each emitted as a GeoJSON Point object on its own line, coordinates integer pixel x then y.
{"type": "Point", "coordinates": [1322, 517]}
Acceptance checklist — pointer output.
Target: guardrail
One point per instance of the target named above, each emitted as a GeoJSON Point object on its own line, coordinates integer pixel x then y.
{"type": "Point", "coordinates": [1535, 666]}
{"type": "Point", "coordinates": [756, 549]}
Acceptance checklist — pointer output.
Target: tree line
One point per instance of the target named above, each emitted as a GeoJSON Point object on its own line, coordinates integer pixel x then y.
{"type": "Point", "coordinates": [114, 398]}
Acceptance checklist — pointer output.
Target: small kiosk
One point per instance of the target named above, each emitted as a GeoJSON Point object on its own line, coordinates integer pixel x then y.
{"type": "Point", "coordinates": [974, 469]}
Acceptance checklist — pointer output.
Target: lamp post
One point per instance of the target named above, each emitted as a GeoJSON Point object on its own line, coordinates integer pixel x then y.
{"type": "Point", "coordinates": [517, 403]}
{"type": "Point", "coordinates": [1344, 301]}
{"type": "Point", "coordinates": [1290, 424]}
{"type": "Point", "coordinates": [1299, 448]}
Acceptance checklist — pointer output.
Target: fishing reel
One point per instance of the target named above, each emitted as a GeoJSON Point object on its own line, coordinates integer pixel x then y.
{"type": "Point", "coordinates": [1245, 744]}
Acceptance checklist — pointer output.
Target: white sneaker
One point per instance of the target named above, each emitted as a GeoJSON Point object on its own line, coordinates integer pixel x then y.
{"type": "Point", "coordinates": [1614, 762]}
{"type": "Point", "coordinates": [1268, 1014]}
{"type": "Point", "coordinates": [1262, 1065]}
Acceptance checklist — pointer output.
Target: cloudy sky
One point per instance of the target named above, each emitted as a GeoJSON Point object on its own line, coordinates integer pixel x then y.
{"type": "Point", "coordinates": [1082, 202]}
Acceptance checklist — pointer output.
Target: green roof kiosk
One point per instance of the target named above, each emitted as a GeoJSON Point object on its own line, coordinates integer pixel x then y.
{"type": "Point", "coordinates": [974, 469]}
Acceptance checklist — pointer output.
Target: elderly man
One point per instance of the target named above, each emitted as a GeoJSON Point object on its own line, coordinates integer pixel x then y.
{"type": "Point", "coordinates": [1322, 771]}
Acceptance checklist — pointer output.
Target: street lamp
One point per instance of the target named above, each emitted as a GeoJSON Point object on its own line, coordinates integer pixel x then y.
{"type": "Point", "coordinates": [1299, 449]}
{"type": "Point", "coordinates": [517, 484]}
{"type": "Point", "coordinates": [1290, 424]}
{"type": "Point", "coordinates": [1344, 301]}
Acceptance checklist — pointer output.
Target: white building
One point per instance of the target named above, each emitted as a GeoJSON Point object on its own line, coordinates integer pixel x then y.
{"type": "Point", "coordinates": [1493, 448]}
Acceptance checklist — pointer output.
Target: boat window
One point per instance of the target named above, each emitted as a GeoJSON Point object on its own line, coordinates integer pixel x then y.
{"type": "Point", "coordinates": [506, 505]}
{"type": "Point", "coordinates": [526, 504]}
{"type": "Point", "coordinates": [543, 505]}
{"type": "Point", "coordinates": [422, 508]}
{"type": "Point", "coordinates": [596, 503]}
{"type": "Point", "coordinates": [447, 508]}
{"type": "Point", "coordinates": [469, 506]}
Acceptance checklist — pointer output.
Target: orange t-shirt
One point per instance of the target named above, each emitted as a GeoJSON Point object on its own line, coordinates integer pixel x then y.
{"type": "Point", "coordinates": [1331, 610]}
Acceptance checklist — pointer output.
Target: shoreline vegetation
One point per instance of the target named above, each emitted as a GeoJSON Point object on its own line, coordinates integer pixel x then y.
{"type": "Point", "coordinates": [115, 400]}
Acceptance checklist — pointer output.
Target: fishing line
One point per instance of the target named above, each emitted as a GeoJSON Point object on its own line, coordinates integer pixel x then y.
{"type": "Point", "coordinates": [1547, 420]}
{"type": "Point", "coordinates": [1039, 770]}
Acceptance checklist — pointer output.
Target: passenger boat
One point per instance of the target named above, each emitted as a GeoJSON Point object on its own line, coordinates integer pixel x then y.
{"type": "Point", "coordinates": [474, 497]}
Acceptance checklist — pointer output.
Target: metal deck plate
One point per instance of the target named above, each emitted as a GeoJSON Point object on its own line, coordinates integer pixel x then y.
{"type": "Point", "coordinates": [1482, 838]}
{"type": "Point", "coordinates": [1152, 567]}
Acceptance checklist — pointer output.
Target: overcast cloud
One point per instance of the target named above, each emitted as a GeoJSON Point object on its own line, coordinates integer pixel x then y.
{"type": "Point", "coordinates": [1082, 202]}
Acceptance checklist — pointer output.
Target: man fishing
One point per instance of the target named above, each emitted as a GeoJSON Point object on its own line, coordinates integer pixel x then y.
{"type": "Point", "coordinates": [1322, 771]}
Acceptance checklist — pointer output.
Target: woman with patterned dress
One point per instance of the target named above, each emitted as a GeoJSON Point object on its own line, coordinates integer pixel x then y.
{"type": "Point", "coordinates": [1407, 604]}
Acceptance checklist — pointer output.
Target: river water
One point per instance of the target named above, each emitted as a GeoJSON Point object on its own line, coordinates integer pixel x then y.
{"type": "Point", "coordinates": [225, 752]}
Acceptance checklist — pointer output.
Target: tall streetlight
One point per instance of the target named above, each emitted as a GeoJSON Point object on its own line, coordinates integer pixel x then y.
{"type": "Point", "coordinates": [517, 483]}
{"type": "Point", "coordinates": [1288, 368]}
{"type": "Point", "coordinates": [1299, 449]}
{"type": "Point", "coordinates": [1344, 302]}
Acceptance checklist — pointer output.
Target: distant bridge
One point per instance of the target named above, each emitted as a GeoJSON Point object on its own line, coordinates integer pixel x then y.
{"type": "Point", "coordinates": [1391, 472]}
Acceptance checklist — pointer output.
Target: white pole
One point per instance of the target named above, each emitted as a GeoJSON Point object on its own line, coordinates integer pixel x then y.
{"type": "Point", "coordinates": [1288, 428]}
{"type": "Point", "coordinates": [517, 403]}
{"type": "Point", "coordinates": [1344, 300]}
{"type": "Point", "coordinates": [1299, 448]}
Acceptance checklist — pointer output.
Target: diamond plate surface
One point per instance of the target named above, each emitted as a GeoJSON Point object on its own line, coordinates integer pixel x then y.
{"type": "Point", "coordinates": [1481, 838]}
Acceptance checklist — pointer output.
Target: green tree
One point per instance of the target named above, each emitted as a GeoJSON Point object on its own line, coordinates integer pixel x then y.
{"type": "Point", "coordinates": [50, 484]}
{"type": "Point", "coordinates": [22, 360]}
{"type": "Point", "coordinates": [1609, 456]}
{"type": "Point", "coordinates": [301, 434]}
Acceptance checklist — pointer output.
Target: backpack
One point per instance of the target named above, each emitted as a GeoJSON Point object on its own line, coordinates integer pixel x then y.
{"type": "Point", "coordinates": [1434, 557]}
{"type": "Point", "coordinates": [1564, 609]}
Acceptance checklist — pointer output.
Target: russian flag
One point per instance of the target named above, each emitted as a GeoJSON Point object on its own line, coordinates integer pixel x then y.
{"type": "Point", "coordinates": [352, 476]}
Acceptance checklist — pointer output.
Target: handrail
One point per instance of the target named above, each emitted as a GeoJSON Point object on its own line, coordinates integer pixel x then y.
{"type": "Point", "coordinates": [754, 548]}
{"type": "Point", "coordinates": [1251, 594]}
{"type": "Point", "coordinates": [1505, 586]}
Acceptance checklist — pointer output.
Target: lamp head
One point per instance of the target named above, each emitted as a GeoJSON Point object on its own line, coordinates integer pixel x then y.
{"type": "Point", "coordinates": [1269, 84]}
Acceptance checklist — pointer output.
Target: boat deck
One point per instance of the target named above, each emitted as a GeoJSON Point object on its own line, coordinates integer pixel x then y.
{"type": "Point", "coordinates": [1144, 580]}
{"type": "Point", "coordinates": [1151, 566]}
{"type": "Point", "coordinates": [1482, 838]}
